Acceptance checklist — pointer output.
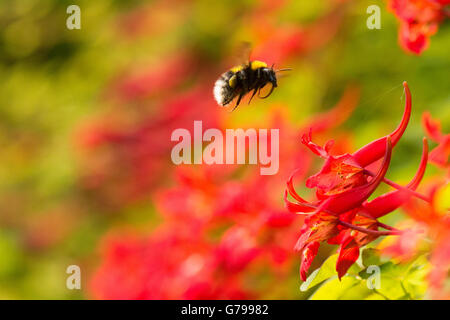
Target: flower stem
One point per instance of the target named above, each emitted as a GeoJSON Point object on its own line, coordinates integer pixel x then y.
{"type": "Point", "coordinates": [368, 231]}
{"type": "Point", "coordinates": [385, 226]}
{"type": "Point", "coordinates": [399, 187]}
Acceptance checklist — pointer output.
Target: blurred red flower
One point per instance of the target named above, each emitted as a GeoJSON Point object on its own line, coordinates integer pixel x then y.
{"type": "Point", "coordinates": [419, 20]}
{"type": "Point", "coordinates": [277, 44]}
{"type": "Point", "coordinates": [123, 162]}
{"type": "Point", "coordinates": [170, 264]}
{"type": "Point", "coordinates": [214, 235]}
{"type": "Point", "coordinates": [440, 154]}
{"type": "Point", "coordinates": [436, 222]}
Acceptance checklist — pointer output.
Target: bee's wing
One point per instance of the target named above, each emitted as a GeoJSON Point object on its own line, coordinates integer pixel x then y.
{"type": "Point", "coordinates": [242, 52]}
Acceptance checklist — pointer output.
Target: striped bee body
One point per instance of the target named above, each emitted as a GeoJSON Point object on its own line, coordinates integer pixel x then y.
{"type": "Point", "coordinates": [242, 79]}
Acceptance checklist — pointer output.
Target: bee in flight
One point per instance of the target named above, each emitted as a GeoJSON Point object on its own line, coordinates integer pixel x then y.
{"type": "Point", "coordinates": [242, 79]}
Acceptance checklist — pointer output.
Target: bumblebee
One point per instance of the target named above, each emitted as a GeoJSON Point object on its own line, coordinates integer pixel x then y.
{"type": "Point", "coordinates": [242, 79]}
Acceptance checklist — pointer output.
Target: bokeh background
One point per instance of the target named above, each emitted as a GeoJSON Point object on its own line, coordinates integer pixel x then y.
{"type": "Point", "coordinates": [85, 121]}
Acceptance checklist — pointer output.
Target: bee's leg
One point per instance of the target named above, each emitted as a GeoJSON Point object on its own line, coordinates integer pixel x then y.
{"type": "Point", "coordinates": [266, 96]}
{"type": "Point", "coordinates": [237, 102]}
{"type": "Point", "coordinates": [257, 82]}
{"type": "Point", "coordinates": [256, 85]}
{"type": "Point", "coordinates": [253, 94]}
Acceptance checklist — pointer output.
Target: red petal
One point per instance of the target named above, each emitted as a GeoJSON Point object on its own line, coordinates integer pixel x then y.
{"type": "Point", "coordinates": [326, 229]}
{"type": "Point", "coordinates": [339, 238]}
{"type": "Point", "coordinates": [440, 154]}
{"type": "Point", "coordinates": [308, 256]}
{"type": "Point", "coordinates": [432, 127]}
{"type": "Point", "coordinates": [375, 150]}
{"type": "Point", "coordinates": [390, 201]}
{"type": "Point", "coordinates": [348, 254]}
{"type": "Point", "coordinates": [322, 152]}
{"type": "Point", "coordinates": [353, 198]}
{"type": "Point", "coordinates": [319, 227]}
{"type": "Point", "coordinates": [337, 175]}
{"type": "Point", "coordinates": [292, 192]}
{"type": "Point", "coordinates": [303, 239]}
{"type": "Point", "coordinates": [297, 207]}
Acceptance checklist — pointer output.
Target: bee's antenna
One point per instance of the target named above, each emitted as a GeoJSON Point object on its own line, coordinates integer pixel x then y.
{"type": "Point", "coordinates": [285, 69]}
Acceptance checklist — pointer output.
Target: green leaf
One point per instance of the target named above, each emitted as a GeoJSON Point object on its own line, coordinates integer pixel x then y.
{"type": "Point", "coordinates": [404, 280]}
{"type": "Point", "coordinates": [348, 288]}
{"type": "Point", "coordinates": [370, 257]}
{"type": "Point", "coordinates": [326, 271]}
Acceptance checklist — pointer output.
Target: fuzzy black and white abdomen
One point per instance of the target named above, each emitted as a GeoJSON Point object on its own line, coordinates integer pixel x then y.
{"type": "Point", "coordinates": [220, 88]}
{"type": "Point", "coordinates": [223, 93]}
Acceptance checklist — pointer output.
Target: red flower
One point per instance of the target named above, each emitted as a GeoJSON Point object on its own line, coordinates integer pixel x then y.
{"type": "Point", "coordinates": [341, 214]}
{"type": "Point", "coordinates": [419, 19]}
{"type": "Point", "coordinates": [440, 154]}
{"type": "Point", "coordinates": [390, 201]}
